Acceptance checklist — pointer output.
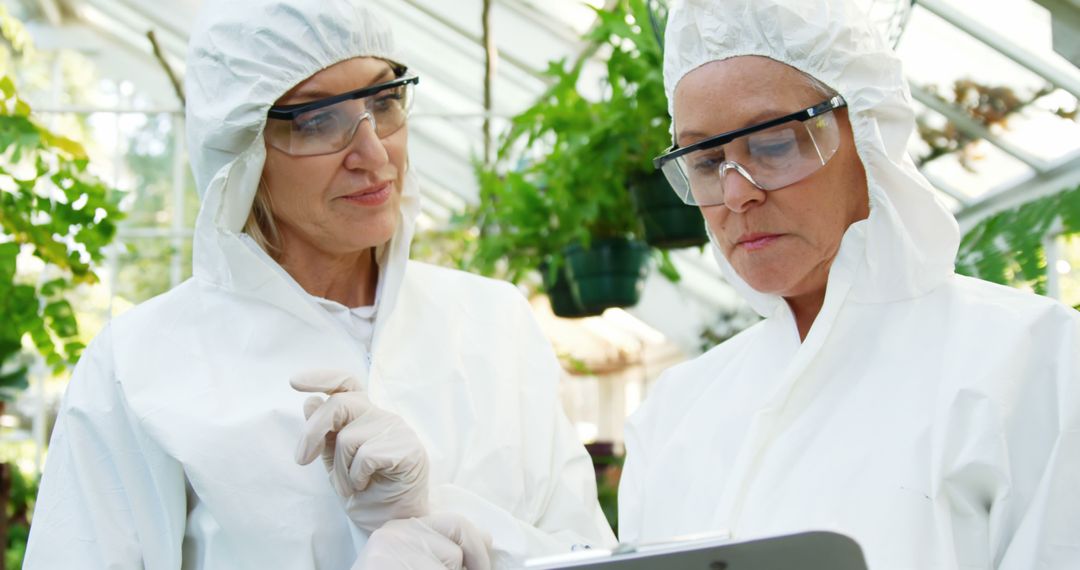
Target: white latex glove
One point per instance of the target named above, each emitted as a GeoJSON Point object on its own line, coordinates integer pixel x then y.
{"type": "Point", "coordinates": [374, 458]}
{"type": "Point", "coordinates": [434, 542]}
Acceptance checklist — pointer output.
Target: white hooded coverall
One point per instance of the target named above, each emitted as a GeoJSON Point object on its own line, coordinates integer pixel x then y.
{"type": "Point", "coordinates": [932, 417]}
{"type": "Point", "coordinates": [175, 442]}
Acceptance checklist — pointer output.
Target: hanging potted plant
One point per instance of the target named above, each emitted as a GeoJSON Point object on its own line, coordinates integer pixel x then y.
{"type": "Point", "coordinates": [667, 222]}
{"type": "Point", "coordinates": [563, 207]}
{"type": "Point", "coordinates": [607, 273]}
{"type": "Point", "coordinates": [558, 196]}
{"type": "Point", "coordinates": [638, 103]}
{"type": "Point", "coordinates": [520, 232]}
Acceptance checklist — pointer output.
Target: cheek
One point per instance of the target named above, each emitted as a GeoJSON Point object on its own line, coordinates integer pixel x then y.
{"type": "Point", "coordinates": [852, 174]}
{"type": "Point", "coordinates": [821, 226]}
{"type": "Point", "coordinates": [396, 146]}
{"type": "Point", "coordinates": [296, 188]}
{"type": "Point", "coordinates": [715, 217]}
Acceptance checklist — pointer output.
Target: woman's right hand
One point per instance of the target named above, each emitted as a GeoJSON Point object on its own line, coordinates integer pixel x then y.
{"type": "Point", "coordinates": [434, 542]}
{"type": "Point", "coordinates": [374, 458]}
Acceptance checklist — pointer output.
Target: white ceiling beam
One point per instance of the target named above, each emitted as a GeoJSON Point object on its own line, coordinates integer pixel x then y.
{"type": "Point", "coordinates": [948, 189]}
{"type": "Point", "coordinates": [474, 38]}
{"type": "Point", "coordinates": [1059, 77]}
{"type": "Point", "coordinates": [972, 127]}
{"type": "Point", "coordinates": [119, 20]}
{"type": "Point", "coordinates": [1065, 175]}
{"type": "Point", "coordinates": [51, 10]}
{"type": "Point", "coordinates": [529, 11]}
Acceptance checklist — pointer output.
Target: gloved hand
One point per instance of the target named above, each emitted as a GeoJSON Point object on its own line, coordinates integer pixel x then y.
{"type": "Point", "coordinates": [434, 542]}
{"type": "Point", "coordinates": [374, 458]}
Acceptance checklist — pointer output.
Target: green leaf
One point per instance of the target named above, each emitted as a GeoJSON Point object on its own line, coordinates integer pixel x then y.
{"type": "Point", "coordinates": [55, 362]}
{"type": "Point", "coordinates": [61, 319]}
{"type": "Point", "coordinates": [7, 86]}
{"type": "Point", "coordinates": [73, 149]}
{"type": "Point", "coordinates": [8, 254]}
{"type": "Point", "coordinates": [666, 267]}
{"type": "Point", "coordinates": [1007, 247]}
{"type": "Point", "coordinates": [55, 287]}
{"type": "Point", "coordinates": [22, 109]}
{"type": "Point", "coordinates": [74, 350]}
{"type": "Point", "coordinates": [9, 348]}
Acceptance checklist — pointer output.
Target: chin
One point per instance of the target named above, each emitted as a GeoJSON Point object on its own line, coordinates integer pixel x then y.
{"type": "Point", "coordinates": [358, 236]}
{"type": "Point", "coordinates": [766, 280]}
{"type": "Point", "coordinates": [380, 235]}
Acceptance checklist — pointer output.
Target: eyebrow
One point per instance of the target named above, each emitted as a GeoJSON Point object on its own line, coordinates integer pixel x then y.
{"type": "Point", "coordinates": [756, 118]}
{"type": "Point", "coordinates": [307, 94]}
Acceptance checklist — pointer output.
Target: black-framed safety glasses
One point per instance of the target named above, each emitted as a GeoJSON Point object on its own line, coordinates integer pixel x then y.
{"type": "Point", "coordinates": [771, 155]}
{"type": "Point", "coordinates": [328, 125]}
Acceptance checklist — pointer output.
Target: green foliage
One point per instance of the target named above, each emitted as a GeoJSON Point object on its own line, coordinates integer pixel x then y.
{"type": "Point", "coordinates": [562, 169]}
{"type": "Point", "coordinates": [55, 221]}
{"type": "Point", "coordinates": [608, 466]}
{"type": "Point", "coordinates": [607, 488]}
{"type": "Point", "coordinates": [727, 323]}
{"type": "Point", "coordinates": [54, 210]}
{"type": "Point", "coordinates": [1007, 248]}
{"type": "Point", "coordinates": [20, 504]}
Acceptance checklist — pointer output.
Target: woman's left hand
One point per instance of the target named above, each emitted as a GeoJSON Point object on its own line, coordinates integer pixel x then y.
{"type": "Point", "coordinates": [374, 458]}
{"type": "Point", "coordinates": [435, 542]}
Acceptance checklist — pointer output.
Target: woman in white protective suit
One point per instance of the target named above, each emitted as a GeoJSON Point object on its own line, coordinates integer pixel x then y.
{"type": "Point", "coordinates": [932, 417]}
{"type": "Point", "coordinates": [180, 441]}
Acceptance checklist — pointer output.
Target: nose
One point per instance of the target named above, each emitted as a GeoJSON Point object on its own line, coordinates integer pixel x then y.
{"type": "Point", "coordinates": [366, 151]}
{"type": "Point", "coordinates": [740, 193]}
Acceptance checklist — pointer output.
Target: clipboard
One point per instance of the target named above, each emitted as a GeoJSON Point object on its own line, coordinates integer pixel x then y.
{"type": "Point", "coordinates": [815, 550]}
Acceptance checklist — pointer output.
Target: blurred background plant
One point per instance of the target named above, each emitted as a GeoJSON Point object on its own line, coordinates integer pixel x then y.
{"type": "Point", "coordinates": [56, 220]}
{"type": "Point", "coordinates": [566, 173]}
{"type": "Point", "coordinates": [1010, 247]}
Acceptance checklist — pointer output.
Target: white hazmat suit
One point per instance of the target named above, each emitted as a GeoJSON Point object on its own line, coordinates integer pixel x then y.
{"type": "Point", "coordinates": [933, 417]}
{"type": "Point", "coordinates": [175, 442]}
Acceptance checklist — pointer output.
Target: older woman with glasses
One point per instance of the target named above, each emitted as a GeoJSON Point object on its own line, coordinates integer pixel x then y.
{"type": "Point", "coordinates": [189, 434]}
{"type": "Point", "coordinates": [935, 418]}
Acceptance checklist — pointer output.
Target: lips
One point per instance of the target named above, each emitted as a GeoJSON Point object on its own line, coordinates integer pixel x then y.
{"type": "Point", "coordinates": [755, 241]}
{"type": "Point", "coordinates": [372, 195]}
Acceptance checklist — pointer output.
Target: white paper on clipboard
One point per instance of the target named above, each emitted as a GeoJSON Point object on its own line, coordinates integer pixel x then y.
{"type": "Point", "coordinates": [816, 550]}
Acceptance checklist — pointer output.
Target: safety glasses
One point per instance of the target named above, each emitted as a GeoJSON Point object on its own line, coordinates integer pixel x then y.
{"type": "Point", "coordinates": [329, 125]}
{"type": "Point", "coordinates": [770, 155]}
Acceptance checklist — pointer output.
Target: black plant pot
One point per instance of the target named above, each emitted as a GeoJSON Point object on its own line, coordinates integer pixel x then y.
{"type": "Point", "coordinates": [611, 273]}
{"type": "Point", "coordinates": [559, 293]}
{"type": "Point", "coordinates": [668, 222]}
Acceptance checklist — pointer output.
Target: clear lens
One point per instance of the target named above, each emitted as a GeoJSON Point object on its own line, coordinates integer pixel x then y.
{"type": "Point", "coordinates": [331, 128]}
{"type": "Point", "coordinates": [774, 158]}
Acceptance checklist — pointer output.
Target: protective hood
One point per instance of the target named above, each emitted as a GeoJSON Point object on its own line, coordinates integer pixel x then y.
{"type": "Point", "coordinates": [243, 55]}
{"type": "Point", "coordinates": [907, 245]}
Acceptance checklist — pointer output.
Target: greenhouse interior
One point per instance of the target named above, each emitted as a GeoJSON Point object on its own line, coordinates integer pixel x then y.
{"type": "Point", "coordinates": [532, 137]}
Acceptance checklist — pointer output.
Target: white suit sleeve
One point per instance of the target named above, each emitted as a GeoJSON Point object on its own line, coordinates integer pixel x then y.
{"type": "Point", "coordinates": [109, 497]}
{"type": "Point", "coordinates": [1037, 524]}
{"type": "Point", "coordinates": [561, 503]}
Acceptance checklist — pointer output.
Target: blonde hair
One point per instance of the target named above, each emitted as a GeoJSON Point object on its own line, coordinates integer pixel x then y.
{"type": "Point", "coordinates": [260, 223]}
